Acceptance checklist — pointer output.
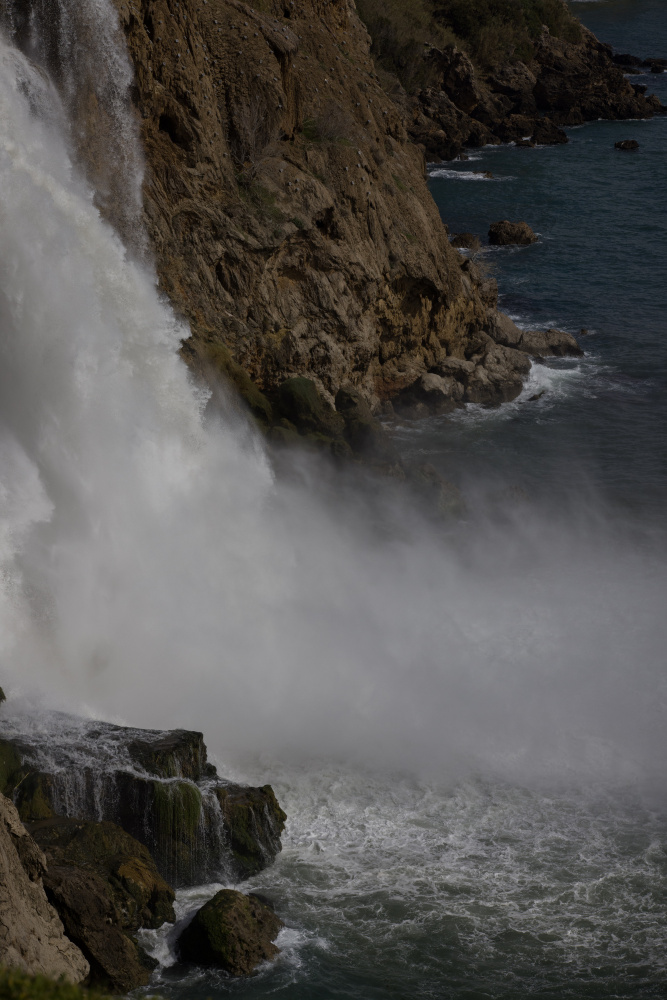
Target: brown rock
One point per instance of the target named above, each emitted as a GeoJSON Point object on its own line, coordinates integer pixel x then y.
{"type": "Point", "coordinates": [507, 233]}
{"type": "Point", "coordinates": [32, 937]}
{"type": "Point", "coordinates": [554, 343]}
{"type": "Point", "coordinates": [231, 931]}
{"type": "Point", "coordinates": [429, 395]}
{"type": "Point", "coordinates": [499, 378]}
{"type": "Point", "coordinates": [466, 241]}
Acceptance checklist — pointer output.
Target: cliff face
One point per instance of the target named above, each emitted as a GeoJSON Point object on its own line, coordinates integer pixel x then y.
{"type": "Point", "coordinates": [31, 934]}
{"type": "Point", "coordinates": [285, 204]}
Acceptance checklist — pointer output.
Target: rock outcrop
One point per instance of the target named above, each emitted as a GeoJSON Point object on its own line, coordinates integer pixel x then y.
{"type": "Point", "coordinates": [32, 937]}
{"type": "Point", "coordinates": [231, 931]}
{"type": "Point", "coordinates": [506, 233]}
{"type": "Point", "coordinates": [485, 74]}
{"type": "Point", "coordinates": [157, 786]}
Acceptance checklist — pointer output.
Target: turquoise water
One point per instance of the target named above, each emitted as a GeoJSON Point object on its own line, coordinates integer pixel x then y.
{"type": "Point", "coordinates": [394, 886]}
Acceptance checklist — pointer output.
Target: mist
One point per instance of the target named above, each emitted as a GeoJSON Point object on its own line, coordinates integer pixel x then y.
{"type": "Point", "coordinates": [156, 571]}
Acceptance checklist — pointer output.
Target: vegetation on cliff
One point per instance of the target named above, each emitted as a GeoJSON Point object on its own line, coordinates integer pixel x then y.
{"type": "Point", "coordinates": [17, 985]}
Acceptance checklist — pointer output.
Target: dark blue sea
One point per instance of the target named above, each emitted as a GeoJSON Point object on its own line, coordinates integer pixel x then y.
{"type": "Point", "coordinates": [397, 886]}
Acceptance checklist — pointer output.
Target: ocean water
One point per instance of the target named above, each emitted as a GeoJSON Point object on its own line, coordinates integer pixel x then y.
{"type": "Point", "coordinates": [464, 722]}
{"type": "Point", "coordinates": [600, 264]}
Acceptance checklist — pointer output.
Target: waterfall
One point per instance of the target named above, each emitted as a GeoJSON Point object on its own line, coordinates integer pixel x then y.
{"type": "Point", "coordinates": [153, 570]}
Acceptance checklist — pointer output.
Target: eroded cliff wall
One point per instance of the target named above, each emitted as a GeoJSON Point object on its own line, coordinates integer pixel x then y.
{"type": "Point", "coordinates": [285, 204]}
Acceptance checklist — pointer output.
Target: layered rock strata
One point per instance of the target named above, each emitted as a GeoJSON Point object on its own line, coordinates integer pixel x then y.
{"type": "Point", "coordinates": [157, 786]}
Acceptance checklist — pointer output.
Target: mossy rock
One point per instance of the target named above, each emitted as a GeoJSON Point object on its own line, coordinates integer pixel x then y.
{"type": "Point", "coordinates": [299, 401]}
{"type": "Point", "coordinates": [141, 895]}
{"type": "Point", "coordinates": [254, 821]}
{"type": "Point", "coordinates": [220, 358]}
{"type": "Point", "coordinates": [364, 434]}
{"type": "Point", "coordinates": [232, 932]}
{"type": "Point", "coordinates": [179, 753]}
{"type": "Point", "coordinates": [12, 768]}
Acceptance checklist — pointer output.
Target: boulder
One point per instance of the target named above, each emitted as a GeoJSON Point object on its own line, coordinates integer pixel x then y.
{"type": "Point", "coordinates": [549, 343]}
{"type": "Point", "coordinates": [232, 932]}
{"type": "Point", "coordinates": [253, 822]}
{"type": "Point", "coordinates": [506, 233]}
{"type": "Point", "coordinates": [87, 770]}
{"type": "Point", "coordinates": [626, 144]}
{"type": "Point", "coordinates": [499, 378]}
{"type": "Point", "coordinates": [429, 395]}
{"type": "Point", "coordinates": [32, 937]}
{"type": "Point", "coordinates": [140, 895]}
{"type": "Point", "coordinates": [440, 496]}
{"type": "Point", "coordinates": [92, 921]}
{"type": "Point", "coordinates": [466, 241]}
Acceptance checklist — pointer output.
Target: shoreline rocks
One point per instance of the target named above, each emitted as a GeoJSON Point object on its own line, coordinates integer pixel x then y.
{"type": "Point", "coordinates": [231, 931]}
{"type": "Point", "coordinates": [506, 233]}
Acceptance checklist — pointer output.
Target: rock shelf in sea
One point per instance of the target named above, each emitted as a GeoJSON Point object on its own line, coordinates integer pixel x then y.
{"type": "Point", "coordinates": [121, 815]}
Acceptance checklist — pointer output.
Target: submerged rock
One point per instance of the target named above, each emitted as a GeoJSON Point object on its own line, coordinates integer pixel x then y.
{"type": "Point", "coordinates": [233, 932]}
{"type": "Point", "coordinates": [506, 233]}
{"type": "Point", "coordinates": [626, 144]}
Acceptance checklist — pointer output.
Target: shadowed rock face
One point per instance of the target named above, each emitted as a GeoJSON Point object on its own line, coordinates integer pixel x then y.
{"type": "Point", "coordinates": [31, 934]}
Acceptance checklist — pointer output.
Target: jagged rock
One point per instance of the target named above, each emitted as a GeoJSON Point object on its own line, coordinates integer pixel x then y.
{"type": "Point", "coordinates": [506, 233]}
{"type": "Point", "coordinates": [429, 395]}
{"type": "Point", "coordinates": [537, 343]}
{"type": "Point", "coordinates": [131, 781]}
{"type": "Point", "coordinates": [499, 379]}
{"type": "Point", "coordinates": [626, 144]}
{"type": "Point", "coordinates": [254, 822]}
{"type": "Point", "coordinates": [141, 896]}
{"type": "Point", "coordinates": [32, 937]}
{"type": "Point", "coordinates": [441, 496]}
{"type": "Point", "coordinates": [546, 133]}
{"type": "Point", "coordinates": [3, 696]}
{"type": "Point", "coordinates": [363, 432]}
{"type": "Point", "coordinates": [92, 922]}
{"type": "Point", "coordinates": [466, 241]}
{"type": "Point", "coordinates": [233, 932]}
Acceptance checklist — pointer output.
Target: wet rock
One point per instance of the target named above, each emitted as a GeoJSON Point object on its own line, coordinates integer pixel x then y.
{"type": "Point", "coordinates": [3, 696]}
{"type": "Point", "coordinates": [466, 241]}
{"type": "Point", "coordinates": [430, 395]}
{"type": "Point", "coordinates": [506, 233]}
{"type": "Point", "coordinates": [547, 133]}
{"type": "Point", "coordinates": [254, 822]}
{"type": "Point", "coordinates": [128, 778]}
{"type": "Point", "coordinates": [92, 922]}
{"type": "Point", "coordinates": [537, 343]}
{"type": "Point", "coordinates": [499, 378]}
{"type": "Point", "coordinates": [140, 895]}
{"type": "Point", "coordinates": [32, 937]}
{"type": "Point", "coordinates": [626, 144]}
{"type": "Point", "coordinates": [232, 932]}
{"type": "Point", "coordinates": [299, 401]}
{"type": "Point", "coordinates": [549, 343]}
{"type": "Point", "coordinates": [439, 495]}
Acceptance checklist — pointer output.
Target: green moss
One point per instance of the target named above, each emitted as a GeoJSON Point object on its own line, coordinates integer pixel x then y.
{"type": "Point", "coordinates": [15, 985]}
{"type": "Point", "coordinates": [11, 768]}
{"type": "Point", "coordinates": [261, 201]}
{"type": "Point", "coordinates": [177, 807]}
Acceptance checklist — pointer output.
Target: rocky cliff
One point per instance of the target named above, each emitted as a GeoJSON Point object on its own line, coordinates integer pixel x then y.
{"type": "Point", "coordinates": [472, 72]}
{"type": "Point", "coordinates": [31, 934]}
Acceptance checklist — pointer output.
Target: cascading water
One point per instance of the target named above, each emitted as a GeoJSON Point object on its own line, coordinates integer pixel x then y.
{"type": "Point", "coordinates": [154, 571]}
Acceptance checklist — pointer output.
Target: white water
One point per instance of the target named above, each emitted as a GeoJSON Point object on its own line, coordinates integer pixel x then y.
{"type": "Point", "coordinates": [154, 572]}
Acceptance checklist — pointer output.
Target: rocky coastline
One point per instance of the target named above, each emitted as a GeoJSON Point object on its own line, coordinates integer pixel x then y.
{"type": "Point", "coordinates": [99, 824]}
